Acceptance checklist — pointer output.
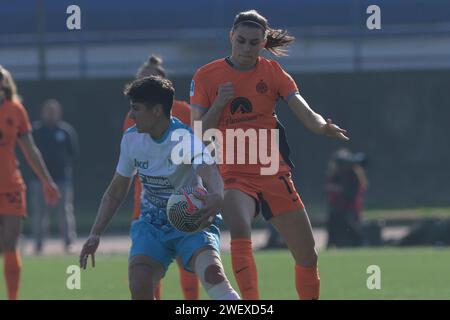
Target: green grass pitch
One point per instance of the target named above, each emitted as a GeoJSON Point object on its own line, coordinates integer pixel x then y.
{"type": "Point", "coordinates": [413, 273]}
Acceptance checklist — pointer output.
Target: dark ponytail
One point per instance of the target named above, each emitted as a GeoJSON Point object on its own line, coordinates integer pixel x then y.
{"type": "Point", "coordinates": [277, 39]}
{"type": "Point", "coordinates": [153, 66]}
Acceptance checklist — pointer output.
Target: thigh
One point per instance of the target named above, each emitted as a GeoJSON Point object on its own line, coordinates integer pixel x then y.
{"type": "Point", "coordinates": [278, 195]}
{"type": "Point", "coordinates": [13, 203]}
{"type": "Point", "coordinates": [147, 241]}
{"type": "Point", "coordinates": [296, 230]}
{"type": "Point", "coordinates": [11, 226]}
{"type": "Point", "coordinates": [238, 212]}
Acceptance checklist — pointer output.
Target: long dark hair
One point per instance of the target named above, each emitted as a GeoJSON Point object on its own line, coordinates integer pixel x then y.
{"type": "Point", "coordinates": [277, 39]}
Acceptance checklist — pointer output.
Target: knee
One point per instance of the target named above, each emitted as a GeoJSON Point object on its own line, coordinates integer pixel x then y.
{"type": "Point", "coordinates": [214, 275]}
{"type": "Point", "coordinates": [141, 290]}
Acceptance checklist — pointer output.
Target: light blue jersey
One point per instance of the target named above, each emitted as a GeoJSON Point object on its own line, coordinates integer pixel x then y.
{"type": "Point", "coordinates": [152, 160]}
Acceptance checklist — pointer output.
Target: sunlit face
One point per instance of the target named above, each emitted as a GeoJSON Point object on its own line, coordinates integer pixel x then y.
{"type": "Point", "coordinates": [144, 117]}
{"type": "Point", "coordinates": [246, 45]}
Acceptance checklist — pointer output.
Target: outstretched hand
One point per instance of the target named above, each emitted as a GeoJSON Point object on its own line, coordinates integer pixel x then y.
{"type": "Point", "coordinates": [333, 131]}
{"type": "Point", "coordinates": [89, 248]}
{"type": "Point", "coordinates": [51, 193]}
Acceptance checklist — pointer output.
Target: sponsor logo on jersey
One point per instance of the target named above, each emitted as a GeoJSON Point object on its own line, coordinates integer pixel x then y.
{"type": "Point", "coordinates": [141, 164]}
{"type": "Point", "coordinates": [242, 105]}
{"type": "Point", "coordinates": [261, 87]}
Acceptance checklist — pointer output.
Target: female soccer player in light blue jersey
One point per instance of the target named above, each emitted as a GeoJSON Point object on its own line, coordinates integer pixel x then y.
{"type": "Point", "coordinates": [146, 149]}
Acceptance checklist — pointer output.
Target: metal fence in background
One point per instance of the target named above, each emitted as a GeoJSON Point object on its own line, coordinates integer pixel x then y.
{"type": "Point", "coordinates": [331, 36]}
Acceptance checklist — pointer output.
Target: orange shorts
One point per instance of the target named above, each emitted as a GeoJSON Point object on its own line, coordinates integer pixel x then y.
{"type": "Point", "coordinates": [13, 203]}
{"type": "Point", "coordinates": [274, 195]}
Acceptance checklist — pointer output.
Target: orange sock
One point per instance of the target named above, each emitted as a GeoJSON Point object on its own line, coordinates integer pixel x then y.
{"type": "Point", "coordinates": [12, 267]}
{"type": "Point", "coordinates": [244, 268]}
{"type": "Point", "coordinates": [158, 291]}
{"type": "Point", "coordinates": [307, 282]}
{"type": "Point", "coordinates": [189, 283]}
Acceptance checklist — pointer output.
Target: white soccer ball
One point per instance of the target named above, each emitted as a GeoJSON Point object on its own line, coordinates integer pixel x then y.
{"type": "Point", "coordinates": [183, 207]}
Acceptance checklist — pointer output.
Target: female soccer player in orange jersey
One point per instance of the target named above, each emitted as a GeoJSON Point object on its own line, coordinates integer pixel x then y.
{"type": "Point", "coordinates": [181, 110]}
{"type": "Point", "coordinates": [240, 92]}
{"type": "Point", "coordinates": [15, 128]}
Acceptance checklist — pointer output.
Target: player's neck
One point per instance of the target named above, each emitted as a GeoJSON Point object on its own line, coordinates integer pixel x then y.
{"type": "Point", "coordinates": [160, 129]}
{"type": "Point", "coordinates": [236, 65]}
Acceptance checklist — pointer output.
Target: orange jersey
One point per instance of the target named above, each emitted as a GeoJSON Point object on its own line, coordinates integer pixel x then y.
{"type": "Point", "coordinates": [256, 92]}
{"type": "Point", "coordinates": [14, 122]}
{"type": "Point", "coordinates": [180, 110]}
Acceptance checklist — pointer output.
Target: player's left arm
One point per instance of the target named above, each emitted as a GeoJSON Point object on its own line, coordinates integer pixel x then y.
{"type": "Point", "coordinates": [314, 121]}
{"type": "Point", "coordinates": [214, 199]}
{"type": "Point", "coordinates": [36, 162]}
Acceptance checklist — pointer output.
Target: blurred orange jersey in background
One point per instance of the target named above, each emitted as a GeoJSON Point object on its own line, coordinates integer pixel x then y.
{"type": "Point", "coordinates": [14, 122]}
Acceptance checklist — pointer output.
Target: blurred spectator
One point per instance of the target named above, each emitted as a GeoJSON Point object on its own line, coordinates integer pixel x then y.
{"type": "Point", "coordinates": [58, 143]}
{"type": "Point", "coordinates": [345, 189]}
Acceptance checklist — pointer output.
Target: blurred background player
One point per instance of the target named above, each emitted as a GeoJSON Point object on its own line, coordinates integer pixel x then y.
{"type": "Point", "coordinates": [181, 110]}
{"type": "Point", "coordinates": [58, 142]}
{"type": "Point", "coordinates": [15, 128]}
{"type": "Point", "coordinates": [145, 150]}
{"type": "Point", "coordinates": [240, 92]}
{"type": "Point", "coordinates": [345, 190]}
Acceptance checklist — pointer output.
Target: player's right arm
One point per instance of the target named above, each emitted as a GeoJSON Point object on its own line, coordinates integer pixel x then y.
{"type": "Point", "coordinates": [36, 162]}
{"type": "Point", "coordinates": [34, 157]}
{"type": "Point", "coordinates": [111, 201]}
{"type": "Point", "coordinates": [202, 108]}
